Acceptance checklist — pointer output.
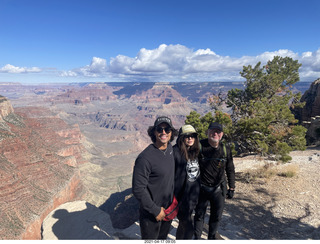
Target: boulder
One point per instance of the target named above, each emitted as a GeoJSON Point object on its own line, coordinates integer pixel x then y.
{"type": "Point", "coordinates": [80, 220]}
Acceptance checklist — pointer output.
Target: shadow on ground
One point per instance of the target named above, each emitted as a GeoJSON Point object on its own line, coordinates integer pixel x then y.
{"type": "Point", "coordinates": [246, 219]}
{"type": "Point", "coordinates": [123, 209]}
{"type": "Point", "coordinates": [84, 224]}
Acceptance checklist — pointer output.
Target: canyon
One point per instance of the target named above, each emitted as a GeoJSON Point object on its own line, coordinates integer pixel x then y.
{"type": "Point", "coordinates": [39, 156]}
{"type": "Point", "coordinates": [67, 142]}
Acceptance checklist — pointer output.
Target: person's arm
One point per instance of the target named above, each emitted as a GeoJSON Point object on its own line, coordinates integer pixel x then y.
{"type": "Point", "coordinates": [180, 173]}
{"type": "Point", "coordinates": [230, 170]}
{"type": "Point", "coordinates": [230, 174]}
{"type": "Point", "coordinates": [140, 181]}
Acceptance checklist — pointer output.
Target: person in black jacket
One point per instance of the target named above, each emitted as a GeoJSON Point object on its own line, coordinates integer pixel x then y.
{"type": "Point", "coordinates": [215, 159]}
{"type": "Point", "coordinates": [187, 179]}
{"type": "Point", "coordinates": [153, 180]}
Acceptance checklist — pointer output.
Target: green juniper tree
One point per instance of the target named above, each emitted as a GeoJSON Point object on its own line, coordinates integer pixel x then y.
{"type": "Point", "coordinates": [261, 121]}
{"type": "Point", "coordinates": [201, 123]}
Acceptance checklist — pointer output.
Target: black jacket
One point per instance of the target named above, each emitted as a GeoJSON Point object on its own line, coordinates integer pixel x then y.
{"type": "Point", "coordinates": [187, 179]}
{"type": "Point", "coordinates": [214, 166]}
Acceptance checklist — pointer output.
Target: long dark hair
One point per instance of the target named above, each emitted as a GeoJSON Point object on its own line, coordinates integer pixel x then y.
{"type": "Point", "coordinates": [193, 151]}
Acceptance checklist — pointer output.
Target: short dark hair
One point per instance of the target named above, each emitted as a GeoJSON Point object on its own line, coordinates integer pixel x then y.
{"type": "Point", "coordinates": [152, 129]}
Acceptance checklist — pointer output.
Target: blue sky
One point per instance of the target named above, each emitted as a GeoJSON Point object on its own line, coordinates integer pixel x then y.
{"type": "Point", "coordinates": [45, 41]}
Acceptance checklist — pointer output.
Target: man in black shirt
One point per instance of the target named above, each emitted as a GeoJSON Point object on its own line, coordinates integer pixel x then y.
{"type": "Point", "coordinates": [153, 180]}
{"type": "Point", "coordinates": [215, 160]}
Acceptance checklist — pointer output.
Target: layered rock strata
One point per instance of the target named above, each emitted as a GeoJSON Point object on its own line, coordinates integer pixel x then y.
{"type": "Point", "coordinates": [39, 158]}
{"type": "Point", "coordinates": [309, 115]}
{"type": "Point", "coordinates": [86, 94]}
{"type": "Point", "coordinates": [312, 99]}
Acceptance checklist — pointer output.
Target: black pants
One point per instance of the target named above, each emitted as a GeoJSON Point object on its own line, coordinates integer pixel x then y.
{"type": "Point", "coordinates": [216, 198]}
{"type": "Point", "coordinates": [189, 201]}
{"type": "Point", "coordinates": [151, 229]}
{"type": "Point", "coordinates": [185, 229]}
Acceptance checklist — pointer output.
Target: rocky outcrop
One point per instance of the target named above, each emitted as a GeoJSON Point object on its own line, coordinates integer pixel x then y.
{"type": "Point", "coordinates": [115, 122]}
{"type": "Point", "coordinates": [5, 107]}
{"type": "Point", "coordinates": [309, 115]}
{"type": "Point", "coordinates": [71, 191]}
{"type": "Point", "coordinates": [81, 220]}
{"type": "Point", "coordinates": [313, 133]}
{"type": "Point", "coordinates": [160, 93]}
{"type": "Point", "coordinates": [312, 99]}
{"type": "Point", "coordinates": [39, 158]}
{"type": "Point", "coordinates": [162, 99]}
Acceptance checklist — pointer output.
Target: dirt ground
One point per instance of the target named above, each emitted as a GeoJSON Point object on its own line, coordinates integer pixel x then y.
{"type": "Point", "coordinates": [275, 207]}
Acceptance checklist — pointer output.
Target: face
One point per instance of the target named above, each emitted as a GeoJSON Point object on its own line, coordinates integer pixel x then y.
{"type": "Point", "coordinates": [215, 135]}
{"type": "Point", "coordinates": [189, 140]}
{"type": "Point", "coordinates": [163, 133]}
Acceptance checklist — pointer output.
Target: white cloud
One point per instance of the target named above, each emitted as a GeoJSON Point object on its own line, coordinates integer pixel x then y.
{"type": "Point", "coordinates": [177, 63]}
{"type": "Point", "coordinates": [163, 60]}
{"type": "Point", "coordinates": [310, 69]}
{"type": "Point", "coordinates": [97, 68]}
{"type": "Point", "coordinates": [266, 56]}
{"type": "Point", "coordinates": [69, 73]}
{"type": "Point", "coordinates": [8, 68]}
{"type": "Point", "coordinates": [311, 60]}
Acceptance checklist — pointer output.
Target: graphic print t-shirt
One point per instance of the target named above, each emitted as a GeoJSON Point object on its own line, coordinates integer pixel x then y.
{"type": "Point", "coordinates": [193, 170]}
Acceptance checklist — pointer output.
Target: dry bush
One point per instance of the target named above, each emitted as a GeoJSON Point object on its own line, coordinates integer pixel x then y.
{"type": "Point", "coordinates": [268, 171]}
{"type": "Point", "coordinates": [263, 172]}
{"type": "Point", "coordinates": [289, 170]}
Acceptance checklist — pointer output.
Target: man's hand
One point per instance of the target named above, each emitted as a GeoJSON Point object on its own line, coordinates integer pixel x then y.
{"type": "Point", "coordinates": [230, 193]}
{"type": "Point", "coordinates": [161, 215]}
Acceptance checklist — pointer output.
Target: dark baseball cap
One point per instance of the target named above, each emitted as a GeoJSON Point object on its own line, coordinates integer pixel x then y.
{"type": "Point", "coordinates": [215, 125]}
{"type": "Point", "coordinates": [163, 119]}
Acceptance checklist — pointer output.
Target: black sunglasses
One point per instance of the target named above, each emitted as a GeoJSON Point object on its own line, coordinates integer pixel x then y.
{"type": "Point", "coordinates": [188, 136]}
{"type": "Point", "coordinates": [166, 129]}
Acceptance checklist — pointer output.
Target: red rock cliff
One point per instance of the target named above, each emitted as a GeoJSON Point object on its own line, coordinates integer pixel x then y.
{"type": "Point", "coordinates": [39, 154]}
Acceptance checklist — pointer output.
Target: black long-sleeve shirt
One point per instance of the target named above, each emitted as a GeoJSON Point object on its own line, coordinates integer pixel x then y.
{"type": "Point", "coordinates": [153, 179]}
{"type": "Point", "coordinates": [212, 168]}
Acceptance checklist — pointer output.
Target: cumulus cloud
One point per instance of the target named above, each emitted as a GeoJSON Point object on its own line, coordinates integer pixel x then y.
{"type": "Point", "coordinates": [8, 68]}
{"type": "Point", "coordinates": [179, 63]}
{"type": "Point", "coordinates": [311, 60]}
{"type": "Point", "coordinates": [96, 68]}
{"type": "Point", "coordinates": [163, 60]}
{"type": "Point", "coordinates": [310, 69]}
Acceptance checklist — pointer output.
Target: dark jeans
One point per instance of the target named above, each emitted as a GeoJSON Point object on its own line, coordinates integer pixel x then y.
{"type": "Point", "coordinates": [151, 229]}
{"type": "Point", "coordinates": [216, 198]}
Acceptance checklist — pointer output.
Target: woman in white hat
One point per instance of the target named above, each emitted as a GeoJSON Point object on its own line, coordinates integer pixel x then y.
{"type": "Point", "coordinates": [187, 178]}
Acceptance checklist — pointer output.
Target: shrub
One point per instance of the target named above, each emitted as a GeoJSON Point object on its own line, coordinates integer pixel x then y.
{"type": "Point", "coordinates": [263, 172]}
{"type": "Point", "coordinates": [289, 171]}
